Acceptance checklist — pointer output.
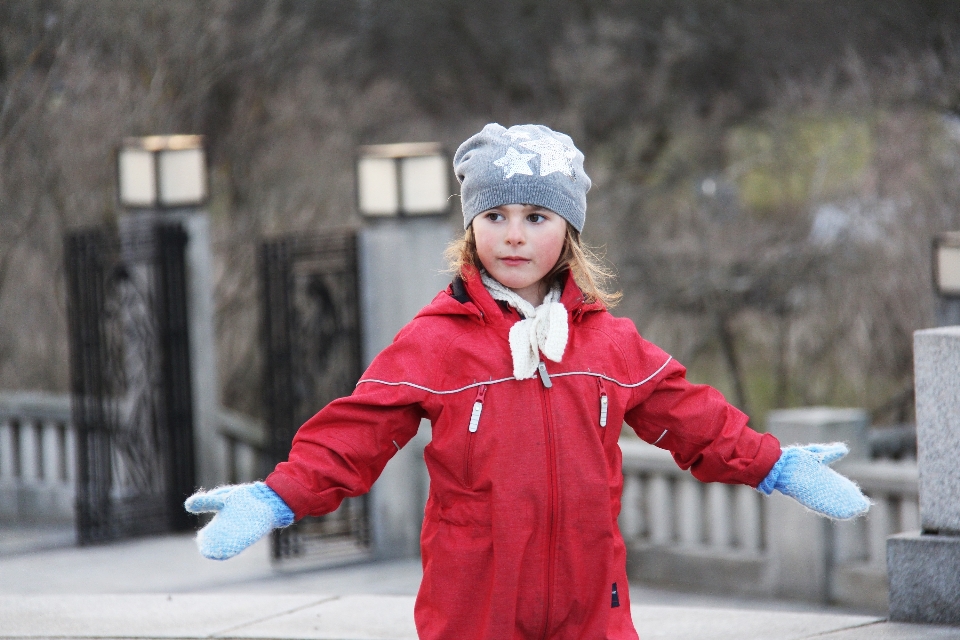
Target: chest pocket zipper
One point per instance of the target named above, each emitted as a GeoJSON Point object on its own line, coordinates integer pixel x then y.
{"type": "Point", "coordinates": [477, 409]}
{"type": "Point", "coordinates": [474, 425]}
{"type": "Point", "coordinates": [603, 403]}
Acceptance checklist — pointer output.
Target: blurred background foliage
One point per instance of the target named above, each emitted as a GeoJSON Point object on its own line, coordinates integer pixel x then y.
{"type": "Point", "coordinates": [768, 175]}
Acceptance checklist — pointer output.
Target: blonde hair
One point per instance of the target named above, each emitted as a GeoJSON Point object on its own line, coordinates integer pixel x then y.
{"type": "Point", "coordinates": [591, 275]}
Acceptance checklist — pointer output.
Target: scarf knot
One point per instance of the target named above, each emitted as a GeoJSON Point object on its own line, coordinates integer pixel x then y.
{"type": "Point", "coordinates": [543, 329]}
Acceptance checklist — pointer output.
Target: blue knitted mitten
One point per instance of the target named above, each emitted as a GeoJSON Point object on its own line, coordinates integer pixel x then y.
{"type": "Point", "coordinates": [245, 513]}
{"type": "Point", "coordinates": [802, 473]}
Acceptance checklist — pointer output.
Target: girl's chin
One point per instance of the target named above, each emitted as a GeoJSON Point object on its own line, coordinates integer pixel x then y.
{"type": "Point", "coordinates": [522, 287]}
{"type": "Point", "coordinates": [513, 280]}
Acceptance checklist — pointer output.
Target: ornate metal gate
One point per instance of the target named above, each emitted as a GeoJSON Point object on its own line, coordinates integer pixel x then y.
{"type": "Point", "coordinates": [130, 380]}
{"type": "Point", "coordinates": [312, 348]}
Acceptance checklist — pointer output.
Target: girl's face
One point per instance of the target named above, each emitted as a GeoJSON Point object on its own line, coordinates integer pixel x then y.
{"type": "Point", "coordinates": [518, 244]}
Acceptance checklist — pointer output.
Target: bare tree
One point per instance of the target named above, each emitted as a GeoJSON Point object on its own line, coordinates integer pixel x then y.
{"type": "Point", "coordinates": [810, 297]}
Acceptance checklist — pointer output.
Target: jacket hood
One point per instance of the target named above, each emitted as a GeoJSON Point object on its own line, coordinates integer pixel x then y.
{"type": "Point", "coordinates": [468, 296]}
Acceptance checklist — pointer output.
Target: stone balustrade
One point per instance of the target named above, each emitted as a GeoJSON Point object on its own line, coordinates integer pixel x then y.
{"type": "Point", "coordinates": [729, 539]}
{"type": "Point", "coordinates": [37, 470]}
{"type": "Point", "coordinates": [858, 562]}
{"type": "Point", "coordinates": [38, 459]}
{"type": "Point", "coordinates": [680, 532]}
{"type": "Point", "coordinates": [892, 488]}
{"type": "Point", "coordinates": [245, 441]}
{"type": "Point", "coordinates": [664, 505]}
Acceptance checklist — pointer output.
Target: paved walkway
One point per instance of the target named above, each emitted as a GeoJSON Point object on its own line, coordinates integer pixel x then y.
{"type": "Point", "coordinates": [161, 588]}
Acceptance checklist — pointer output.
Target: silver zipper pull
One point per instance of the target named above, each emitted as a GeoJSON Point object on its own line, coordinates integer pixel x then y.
{"type": "Point", "coordinates": [544, 376]}
{"type": "Point", "coordinates": [475, 416]}
{"type": "Point", "coordinates": [477, 409]}
{"type": "Point", "coordinates": [603, 403]}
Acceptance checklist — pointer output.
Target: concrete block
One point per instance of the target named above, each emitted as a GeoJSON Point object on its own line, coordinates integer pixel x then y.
{"type": "Point", "coordinates": [800, 550]}
{"type": "Point", "coordinates": [936, 354]}
{"type": "Point", "coordinates": [822, 424]}
{"type": "Point", "coordinates": [699, 570]}
{"type": "Point", "coordinates": [210, 456]}
{"type": "Point", "coordinates": [924, 573]}
{"type": "Point", "coordinates": [801, 543]}
{"type": "Point", "coordinates": [860, 586]}
{"type": "Point", "coordinates": [8, 502]}
{"type": "Point", "coordinates": [37, 503]}
{"type": "Point", "coordinates": [401, 268]}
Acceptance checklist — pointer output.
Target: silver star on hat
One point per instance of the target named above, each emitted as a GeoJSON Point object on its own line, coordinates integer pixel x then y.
{"type": "Point", "coordinates": [515, 162]}
{"type": "Point", "coordinates": [554, 156]}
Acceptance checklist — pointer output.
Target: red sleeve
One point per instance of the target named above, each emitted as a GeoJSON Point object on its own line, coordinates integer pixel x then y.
{"type": "Point", "coordinates": [705, 433]}
{"type": "Point", "coordinates": [342, 450]}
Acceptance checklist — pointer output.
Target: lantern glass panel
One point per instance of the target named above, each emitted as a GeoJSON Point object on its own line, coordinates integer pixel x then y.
{"type": "Point", "coordinates": [948, 270]}
{"type": "Point", "coordinates": [424, 184]}
{"type": "Point", "coordinates": [183, 177]}
{"type": "Point", "coordinates": [377, 186]}
{"type": "Point", "coordinates": [138, 178]}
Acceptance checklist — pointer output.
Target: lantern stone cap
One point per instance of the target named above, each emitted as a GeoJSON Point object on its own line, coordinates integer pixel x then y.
{"type": "Point", "coordinates": [401, 150]}
{"type": "Point", "coordinates": [178, 142]}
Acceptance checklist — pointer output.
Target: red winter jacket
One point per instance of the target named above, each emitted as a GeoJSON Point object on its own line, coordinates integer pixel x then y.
{"type": "Point", "coordinates": [520, 536]}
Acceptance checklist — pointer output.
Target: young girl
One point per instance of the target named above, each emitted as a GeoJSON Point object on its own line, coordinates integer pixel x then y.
{"type": "Point", "coordinates": [526, 379]}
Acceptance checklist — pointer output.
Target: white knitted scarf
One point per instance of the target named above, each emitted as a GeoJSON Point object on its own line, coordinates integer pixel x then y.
{"type": "Point", "coordinates": [543, 329]}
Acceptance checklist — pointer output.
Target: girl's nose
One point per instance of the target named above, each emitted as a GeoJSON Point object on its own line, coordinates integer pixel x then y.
{"type": "Point", "coordinates": [515, 233]}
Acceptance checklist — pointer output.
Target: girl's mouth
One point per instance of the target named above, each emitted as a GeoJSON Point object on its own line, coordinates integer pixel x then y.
{"type": "Point", "coordinates": [514, 261]}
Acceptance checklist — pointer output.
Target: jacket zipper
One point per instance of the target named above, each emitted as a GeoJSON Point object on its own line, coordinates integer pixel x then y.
{"type": "Point", "coordinates": [477, 409]}
{"type": "Point", "coordinates": [603, 403]}
{"type": "Point", "coordinates": [474, 425]}
{"type": "Point", "coordinates": [544, 376]}
{"type": "Point", "coordinates": [553, 491]}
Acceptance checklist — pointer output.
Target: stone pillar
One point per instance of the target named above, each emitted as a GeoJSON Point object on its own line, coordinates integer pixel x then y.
{"type": "Point", "coordinates": [401, 270]}
{"type": "Point", "coordinates": [801, 543]}
{"type": "Point", "coordinates": [209, 450]}
{"type": "Point", "coordinates": [924, 566]}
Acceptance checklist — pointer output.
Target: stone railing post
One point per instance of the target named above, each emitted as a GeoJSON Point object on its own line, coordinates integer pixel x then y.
{"type": "Point", "coordinates": [924, 566]}
{"type": "Point", "coordinates": [800, 543]}
{"type": "Point", "coordinates": [401, 270]}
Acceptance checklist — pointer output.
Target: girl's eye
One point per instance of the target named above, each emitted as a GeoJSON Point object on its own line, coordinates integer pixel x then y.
{"type": "Point", "coordinates": [493, 215]}
{"type": "Point", "coordinates": [536, 217]}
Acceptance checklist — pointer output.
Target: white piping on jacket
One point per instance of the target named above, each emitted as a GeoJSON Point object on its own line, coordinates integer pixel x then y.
{"type": "Point", "coordinates": [630, 385]}
{"type": "Point", "coordinates": [626, 385]}
{"type": "Point", "coordinates": [428, 389]}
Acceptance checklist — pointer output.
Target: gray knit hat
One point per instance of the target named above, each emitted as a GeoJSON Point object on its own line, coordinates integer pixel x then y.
{"type": "Point", "coordinates": [525, 164]}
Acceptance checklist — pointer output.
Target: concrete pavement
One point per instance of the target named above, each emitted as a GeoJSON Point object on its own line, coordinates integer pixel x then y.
{"type": "Point", "coordinates": [161, 588]}
{"type": "Point", "coordinates": [366, 617]}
